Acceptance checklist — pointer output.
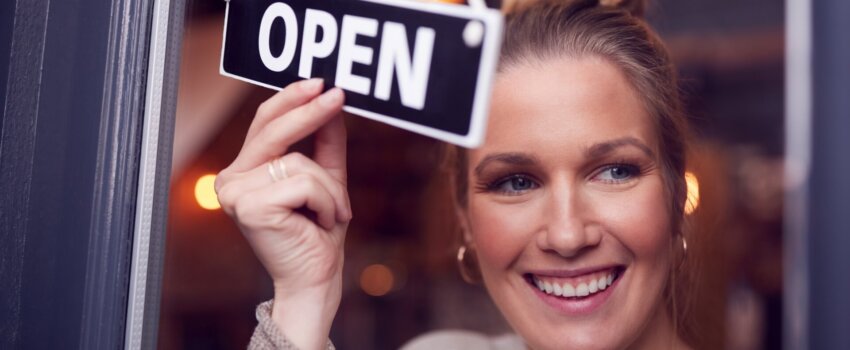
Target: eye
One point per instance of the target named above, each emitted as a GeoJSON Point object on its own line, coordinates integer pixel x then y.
{"type": "Point", "coordinates": [617, 173]}
{"type": "Point", "coordinates": [515, 184]}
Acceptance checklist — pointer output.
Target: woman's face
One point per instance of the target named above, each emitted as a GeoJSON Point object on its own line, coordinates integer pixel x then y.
{"type": "Point", "coordinates": [566, 195]}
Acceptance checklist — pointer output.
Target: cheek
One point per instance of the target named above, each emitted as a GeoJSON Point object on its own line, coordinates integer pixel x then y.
{"type": "Point", "coordinates": [499, 232]}
{"type": "Point", "coordinates": [640, 219]}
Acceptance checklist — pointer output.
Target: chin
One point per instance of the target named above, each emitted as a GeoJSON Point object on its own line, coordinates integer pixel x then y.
{"type": "Point", "coordinates": [606, 320]}
{"type": "Point", "coordinates": [585, 338]}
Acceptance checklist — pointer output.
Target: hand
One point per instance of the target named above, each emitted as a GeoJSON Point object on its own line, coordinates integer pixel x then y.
{"type": "Point", "coordinates": [296, 223]}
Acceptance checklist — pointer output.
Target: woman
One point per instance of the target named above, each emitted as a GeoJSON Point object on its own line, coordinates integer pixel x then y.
{"type": "Point", "coordinates": [571, 210]}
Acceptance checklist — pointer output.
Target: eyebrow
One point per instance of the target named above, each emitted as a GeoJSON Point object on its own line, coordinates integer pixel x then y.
{"type": "Point", "coordinates": [596, 151]}
{"type": "Point", "coordinates": [520, 159]}
{"type": "Point", "coordinates": [604, 148]}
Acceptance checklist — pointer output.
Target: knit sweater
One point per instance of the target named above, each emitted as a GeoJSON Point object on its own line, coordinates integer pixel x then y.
{"type": "Point", "coordinates": [267, 336]}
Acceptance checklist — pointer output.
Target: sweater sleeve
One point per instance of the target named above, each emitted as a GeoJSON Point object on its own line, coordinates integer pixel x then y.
{"type": "Point", "coordinates": [267, 336]}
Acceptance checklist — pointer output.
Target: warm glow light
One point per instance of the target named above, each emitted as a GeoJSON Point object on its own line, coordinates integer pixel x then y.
{"type": "Point", "coordinates": [377, 280]}
{"type": "Point", "coordinates": [205, 192]}
{"type": "Point", "coordinates": [693, 193]}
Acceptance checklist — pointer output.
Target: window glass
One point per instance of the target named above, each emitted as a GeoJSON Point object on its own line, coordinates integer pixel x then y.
{"type": "Point", "coordinates": [401, 277]}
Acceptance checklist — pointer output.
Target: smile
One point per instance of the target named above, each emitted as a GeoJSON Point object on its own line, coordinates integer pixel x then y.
{"type": "Point", "coordinates": [580, 287]}
{"type": "Point", "coordinates": [577, 294]}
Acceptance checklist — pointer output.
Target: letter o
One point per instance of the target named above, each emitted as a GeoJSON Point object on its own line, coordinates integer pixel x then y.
{"type": "Point", "coordinates": [279, 63]}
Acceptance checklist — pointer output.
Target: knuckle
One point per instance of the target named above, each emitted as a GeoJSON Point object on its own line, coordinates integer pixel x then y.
{"type": "Point", "coordinates": [226, 197]}
{"type": "Point", "coordinates": [296, 160]}
{"type": "Point", "coordinates": [308, 183]}
{"type": "Point", "coordinates": [265, 137]}
{"type": "Point", "coordinates": [315, 107]}
{"type": "Point", "coordinates": [291, 89]}
{"type": "Point", "coordinates": [264, 108]}
{"type": "Point", "coordinates": [220, 181]}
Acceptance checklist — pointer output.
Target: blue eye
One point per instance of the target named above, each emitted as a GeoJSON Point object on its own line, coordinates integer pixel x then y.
{"type": "Point", "coordinates": [618, 173]}
{"type": "Point", "coordinates": [514, 185]}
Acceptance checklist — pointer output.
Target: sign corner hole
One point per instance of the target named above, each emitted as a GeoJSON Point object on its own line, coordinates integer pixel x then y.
{"type": "Point", "coordinates": [473, 33]}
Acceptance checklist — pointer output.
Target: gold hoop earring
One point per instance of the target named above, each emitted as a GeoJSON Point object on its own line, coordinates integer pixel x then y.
{"type": "Point", "coordinates": [469, 273]}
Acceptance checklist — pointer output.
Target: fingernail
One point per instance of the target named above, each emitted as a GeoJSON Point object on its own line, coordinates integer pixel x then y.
{"type": "Point", "coordinates": [312, 85]}
{"type": "Point", "coordinates": [330, 97]}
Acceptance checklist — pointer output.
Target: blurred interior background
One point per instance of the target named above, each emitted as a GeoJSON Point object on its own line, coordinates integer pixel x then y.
{"type": "Point", "coordinates": [400, 274]}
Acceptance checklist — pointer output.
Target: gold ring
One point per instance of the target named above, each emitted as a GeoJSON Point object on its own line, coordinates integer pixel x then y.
{"type": "Point", "coordinates": [281, 167]}
{"type": "Point", "coordinates": [272, 171]}
{"type": "Point", "coordinates": [277, 169]}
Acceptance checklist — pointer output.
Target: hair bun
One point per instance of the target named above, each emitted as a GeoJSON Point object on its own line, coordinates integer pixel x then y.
{"type": "Point", "coordinates": [635, 7]}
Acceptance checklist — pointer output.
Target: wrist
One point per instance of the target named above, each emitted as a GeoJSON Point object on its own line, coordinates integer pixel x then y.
{"type": "Point", "coordinates": [305, 316]}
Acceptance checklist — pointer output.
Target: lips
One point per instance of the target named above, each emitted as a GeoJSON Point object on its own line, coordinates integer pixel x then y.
{"type": "Point", "coordinates": [575, 293]}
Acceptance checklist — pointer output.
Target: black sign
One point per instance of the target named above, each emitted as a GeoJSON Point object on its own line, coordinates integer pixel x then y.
{"type": "Point", "coordinates": [424, 67]}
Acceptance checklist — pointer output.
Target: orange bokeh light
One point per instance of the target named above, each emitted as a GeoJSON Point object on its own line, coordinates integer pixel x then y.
{"type": "Point", "coordinates": [377, 280]}
{"type": "Point", "coordinates": [205, 192]}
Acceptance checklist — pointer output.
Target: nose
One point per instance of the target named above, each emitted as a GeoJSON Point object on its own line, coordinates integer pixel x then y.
{"type": "Point", "coordinates": [566, 230]}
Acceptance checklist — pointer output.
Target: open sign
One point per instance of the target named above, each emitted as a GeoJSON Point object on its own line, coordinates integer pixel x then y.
{"type": "Point", "coordinates": [423, 67]}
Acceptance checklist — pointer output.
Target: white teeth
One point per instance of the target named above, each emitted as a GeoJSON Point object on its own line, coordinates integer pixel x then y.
{"type": "Point", "coordinates": [557, 289]}
{"type": "Point", "coordinates": [567, 290]}
{"type": "Point", "coordinates": [548, 287]}
{"type": "Point", "coordinates": [582, 291]}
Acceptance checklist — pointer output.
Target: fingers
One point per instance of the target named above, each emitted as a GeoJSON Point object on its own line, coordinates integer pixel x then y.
{"type": "Point", "coordinates": [289, 98]}
{"type": "Point", "coordinates": [246, 187]}
{"type": "Point", "coordinates": [293, 164]}
{"type": "Point", "coordinates": [271, 205]}
{"type": "Point", "coordinates": [331, 148]}
{"type": "Point", "coordinates": [279, 133]}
